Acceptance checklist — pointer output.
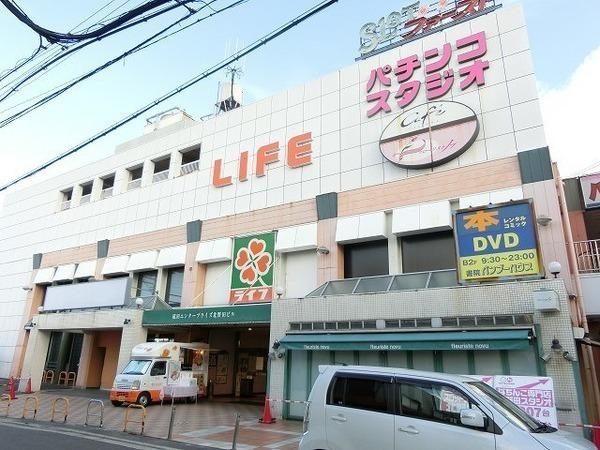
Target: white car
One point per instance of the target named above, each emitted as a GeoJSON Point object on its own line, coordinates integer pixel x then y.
{"type": "Point", "coordinates": [377, 408]}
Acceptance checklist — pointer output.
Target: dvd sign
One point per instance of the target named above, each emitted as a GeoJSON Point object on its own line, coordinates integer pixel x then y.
{"type": "Point", "coordinates": [429, 135]}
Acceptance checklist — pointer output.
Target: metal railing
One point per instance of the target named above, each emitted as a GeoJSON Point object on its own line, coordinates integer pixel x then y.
{"type": "Point", "coordinates": [108, 192]}
{"type": "Point", "coordinates": [85, 199]}
{"type": "Point", "coordinates": [134, 184]}
{"type": "Point", "coordinates": [190, 167]}
{"type": "Point", "coordinates": [65, 205]}
{"type": "Point", "coordinates": [149, 302]}
{"type": "Point", "coordinates": [160, 176]}
{"type": "Point", "coordinates": [588, 256]}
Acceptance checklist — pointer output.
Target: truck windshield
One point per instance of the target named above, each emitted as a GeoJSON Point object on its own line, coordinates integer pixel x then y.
{"type": "Point", "coordinates": [511, 411]}
{"type": "Point", "coordinates": [136, 367]}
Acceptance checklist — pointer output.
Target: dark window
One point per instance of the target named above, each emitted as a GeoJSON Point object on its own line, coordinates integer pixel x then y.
{"type": "Point", "coordinates": [431, 401]}
{"type": "Point", "coordinates": [427, 252]}
{"type": "Point", "coordinates": [86, 189]}
{"type": "Point", "coordinates": [368, 393]}
{"type": "Point", "coordinates": [366, 259]}
{"type": "Point", "coordinates": [146, 284]}
{"type": "Point", "coordinates": [189, 156]}
{"type": "Point", "coordinates": [174, 286]}
{"type": "Point", "coordinates": [135, 173]}
{"type": "Point", "coordinates": [67, 195]}
{"type": "Point", "coordinates": [108, 181]}
{"type": "Point", "coordinates": [162, 165]}
{"type": "Point", "coordinates": [159, 368]}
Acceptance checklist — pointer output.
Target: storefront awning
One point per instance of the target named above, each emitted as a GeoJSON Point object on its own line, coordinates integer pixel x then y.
{"type": "Point", "coordinates": [435, 340]}
{"type": "Point", "coordinates": [258, 313]}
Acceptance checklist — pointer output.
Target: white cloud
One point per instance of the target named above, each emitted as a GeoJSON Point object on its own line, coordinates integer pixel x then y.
{"type": "Point", "coordinates": [571, 119]}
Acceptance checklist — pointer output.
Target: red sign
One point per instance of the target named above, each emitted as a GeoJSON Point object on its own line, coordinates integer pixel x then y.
{"type": "Point", "coordinates": [429, 135]}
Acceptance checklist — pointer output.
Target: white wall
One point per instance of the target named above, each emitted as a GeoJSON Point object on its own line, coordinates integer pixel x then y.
{"type": "Point", "coordinates": [217, 283]}
{"type": "Point", "coordinates": [345, 157]}
{"type": "Point", "coordinates": [300, 273]}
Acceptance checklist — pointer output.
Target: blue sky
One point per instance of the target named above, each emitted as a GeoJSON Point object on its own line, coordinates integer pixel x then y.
{"type": "Point", "coordinates": [325, 43]}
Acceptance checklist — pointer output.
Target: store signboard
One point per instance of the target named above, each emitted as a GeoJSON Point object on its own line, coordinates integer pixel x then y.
{"type": "Point", "coordinates": [497, 241]}
{"type": "Point", "coordinates": [429, 135]}
{"type": "Point", "coordinates": [418, 18]}
{"type": "Point", "coordinates": [252, 268]}
{"type": "Point", "coordinates": [243, 314]}
{"type": "Point", "coordinates": [534, 395]}
{"type": "Point", "coordinates": [590, 190]}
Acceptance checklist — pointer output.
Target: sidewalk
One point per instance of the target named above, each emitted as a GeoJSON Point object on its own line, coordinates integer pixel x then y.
{"type": "Point", "coordinates": [209, 424]}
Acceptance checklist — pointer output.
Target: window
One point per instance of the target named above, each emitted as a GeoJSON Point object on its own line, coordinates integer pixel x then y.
{"type": "Point", "coordinates": [427, 252]}
{"type": "Point", "coordinates": [146, 284]}
{"type": "Point", "coordinates": [361, 392]}
{"type": "Point", "coordinates": [135, 177]}
{"type": "Point", "coordinates": [86, 192]}
{"type": "Point", "coordinates": [159, 368]}
{"type": "Point", "coordinates": [108, 183]}
{"type": "Point", "coordinates": [174, 286]}
{"type": "Point", "coordinates": [65, 202]}
{"type": "Point", "coordinates": [136, 367]}
{"type": "Point", "coordinates": [366, 259]}
{"type": "Point", "coordinates": [161, 169]}
{"type": "Point", "coordinates": [190, 155]}
{"type": "Point", "coordinates": [431, 401]}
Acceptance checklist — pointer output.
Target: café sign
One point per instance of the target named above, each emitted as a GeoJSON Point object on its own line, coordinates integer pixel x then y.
{"type": "Point", "coordinates": [429, 135]}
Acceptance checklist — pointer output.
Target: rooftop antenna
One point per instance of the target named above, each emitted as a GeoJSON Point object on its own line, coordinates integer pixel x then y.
{"type": "Point", "coordinates": [227, 103]}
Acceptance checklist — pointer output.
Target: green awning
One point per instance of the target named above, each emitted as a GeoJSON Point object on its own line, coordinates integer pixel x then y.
{"type": "Point", "coordinates": [434, 340]}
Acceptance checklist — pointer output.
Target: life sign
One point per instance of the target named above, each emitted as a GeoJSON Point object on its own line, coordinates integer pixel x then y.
{"type": "Point", "coordinates": [497, 242]}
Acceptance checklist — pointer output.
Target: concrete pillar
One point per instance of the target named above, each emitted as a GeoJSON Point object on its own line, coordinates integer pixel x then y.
{"type": "Point", "coordinates": [84, 361]}
{"type": "Point", "coordinates": [35, 357]}
{"type": "Point", "coordinates": [121, 180]}
{"type": "Point", "coordinates": [175, 164]}
{"type": "Point", "coordinates": [147, 173]}
{"type": "Point", "coordinates": [394, 253]}
{"type": "Point", "coordinates": [330, 266]}
{"type": "Point", "coordinates": [133, 334]}
{"type": "Point", "coordinates": [96, 189]}
{"type": "Point", "coordinates": [194, 276]}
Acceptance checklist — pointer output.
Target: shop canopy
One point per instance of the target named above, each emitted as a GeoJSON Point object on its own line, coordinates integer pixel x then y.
{"type": "Point", "coordinates": [441, 340]}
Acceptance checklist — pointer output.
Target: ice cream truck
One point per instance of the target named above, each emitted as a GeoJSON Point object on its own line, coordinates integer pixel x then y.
{"type": "Point", "coordinates": [159, 367]}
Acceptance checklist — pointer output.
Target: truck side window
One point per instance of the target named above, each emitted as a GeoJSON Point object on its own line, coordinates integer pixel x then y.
{"type": "Point", "coordinates": [159, 368]}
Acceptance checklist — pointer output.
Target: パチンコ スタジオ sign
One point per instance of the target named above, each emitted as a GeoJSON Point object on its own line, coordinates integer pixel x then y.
{"type": "Point", "coordinates": [498, 241]}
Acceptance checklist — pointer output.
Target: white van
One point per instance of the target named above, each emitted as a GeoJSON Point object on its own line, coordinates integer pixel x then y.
{"type": "Point", "coordinates": [376, 408]}
{"type": "Point", "coordinates": [156, 365]}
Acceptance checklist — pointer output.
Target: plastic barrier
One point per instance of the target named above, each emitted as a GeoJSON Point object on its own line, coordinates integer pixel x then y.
{"type": "Point", "coordinates": [6, 398]}
{"type": "Point", "coordinates": [65, 410]}
{"type": "Point", "coordinates": [71, 377]}
{"type": "Point", "coordinates": [128, 420]}
{"type": "Point", "coordinates": [36, 406]}
{"type": "Point", "coordinates": [62, 378]}
{"type": "Point", "coordinates": [48, 376]}
{"type": "Point", "coordinates": [101, 415]}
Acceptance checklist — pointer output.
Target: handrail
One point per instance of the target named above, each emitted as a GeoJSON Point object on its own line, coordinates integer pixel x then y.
{"type": "Point", "coordinates": [127, 420]}
{"type": "Point", "coordinates": [36, 403]}
{"type": "Point", "coordinates": [65, 410]}
{"type": "Point", "coordinates": [101, 415]}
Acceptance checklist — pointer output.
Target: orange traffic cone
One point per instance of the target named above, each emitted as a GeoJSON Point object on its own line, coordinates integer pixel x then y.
{"type": "Point", "coordinates": [12, 389]}
{"type": "Point", "coordinates": [267, 418]}
{"type": "Point", "coordinates": [28, 387]}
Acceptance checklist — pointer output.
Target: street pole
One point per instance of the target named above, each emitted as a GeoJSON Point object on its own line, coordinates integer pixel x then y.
{"type": "Point", "coordinates": [170, 434]}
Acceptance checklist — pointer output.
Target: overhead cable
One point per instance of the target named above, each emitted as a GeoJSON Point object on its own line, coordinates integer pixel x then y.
{"type": "Point", "coordinates": [191, 82]}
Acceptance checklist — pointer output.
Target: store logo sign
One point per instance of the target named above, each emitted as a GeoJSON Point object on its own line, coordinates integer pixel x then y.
{"type": "Point", "coordinates": [590, 188]}
{"type": "Point", "coordinates": [429, 135]}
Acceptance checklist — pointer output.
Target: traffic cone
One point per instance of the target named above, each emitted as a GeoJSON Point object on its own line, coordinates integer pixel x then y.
{"type": "Point", "coordinates": [28, 387]}
{"type": "Point", "coordinates": [12, 388]}
{"type": "Point", "coordinates": [596, 437]}
{"type": "Point", "coordinates": [267, 418]}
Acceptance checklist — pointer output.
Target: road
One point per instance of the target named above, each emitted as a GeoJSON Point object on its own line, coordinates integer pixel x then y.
{"type": "Point", "coordinates": [20, 435]}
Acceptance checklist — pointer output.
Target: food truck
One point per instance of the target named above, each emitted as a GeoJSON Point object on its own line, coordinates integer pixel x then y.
{"type": "Point", "coordinates": [156, 367]}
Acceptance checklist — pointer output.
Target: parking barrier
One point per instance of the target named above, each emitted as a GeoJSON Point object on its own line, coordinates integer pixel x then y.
{"type": "Point", "coordinates": [101, 415]}
{"type": "Point", "coordinates": [62, 378]}
{"type": "Point", "coordinates": [36, 404]}
{"type": "Point", "coordinates": [65, 410]}
{"type": "Point", "coordinates": [127, 420]}
{"type": "Point", "coordinates": [6, 398]}
{"type": "Point", "coordinates": [71, 377]}
{"type": "Point", "coordinates": [49, 376]}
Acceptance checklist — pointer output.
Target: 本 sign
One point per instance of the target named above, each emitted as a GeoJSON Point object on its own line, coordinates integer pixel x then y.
{"type": "Point", "coordinates": [534, 395]}
{"type": "Point", "coordinates": [252, 269]}
{"type": "Point", "coordinates": [496, 242]}
{"type": "Point", "coordinates": [415, 19]}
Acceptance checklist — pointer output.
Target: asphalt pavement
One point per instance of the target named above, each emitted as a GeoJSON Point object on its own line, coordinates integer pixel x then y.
{"type": "Point", "coordinates": [24, 435]}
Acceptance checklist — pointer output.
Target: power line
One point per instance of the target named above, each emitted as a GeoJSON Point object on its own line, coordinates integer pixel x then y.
{"type": "Point", "coordinates": [215, 68]}
{"type": "Point", "coordinates": [54, 36]}
{"type": "Point", "coordinates": [10, 90]}
{"type": "Point", "coordinates": [142, 45]}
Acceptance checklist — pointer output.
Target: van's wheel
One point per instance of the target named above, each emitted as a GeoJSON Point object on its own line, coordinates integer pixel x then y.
{"type": "Point", "coordinates": [144, 399]}
{"type": "Point", "coordinates": [116, 403]}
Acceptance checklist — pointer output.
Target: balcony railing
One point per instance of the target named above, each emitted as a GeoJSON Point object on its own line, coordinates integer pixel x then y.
{"type": "Point", "coordinates": [85, 199]}
{"type": "Point", "coordinates": [134, 184]}
{"type": "Point", "coordinates": [65, 205]}
{"type": "Point", "coordinates": [588, 256]}
{"type": "Point", "coordinates": [108, 192]}
{"type": "Point", "coordinates": [190, 167]}
{"type": "Point", "coordinates": [160, 176]}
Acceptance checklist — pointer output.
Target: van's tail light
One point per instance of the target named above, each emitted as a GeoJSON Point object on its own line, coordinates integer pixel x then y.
{"type": "Point", "coordinates": [306, 418]}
